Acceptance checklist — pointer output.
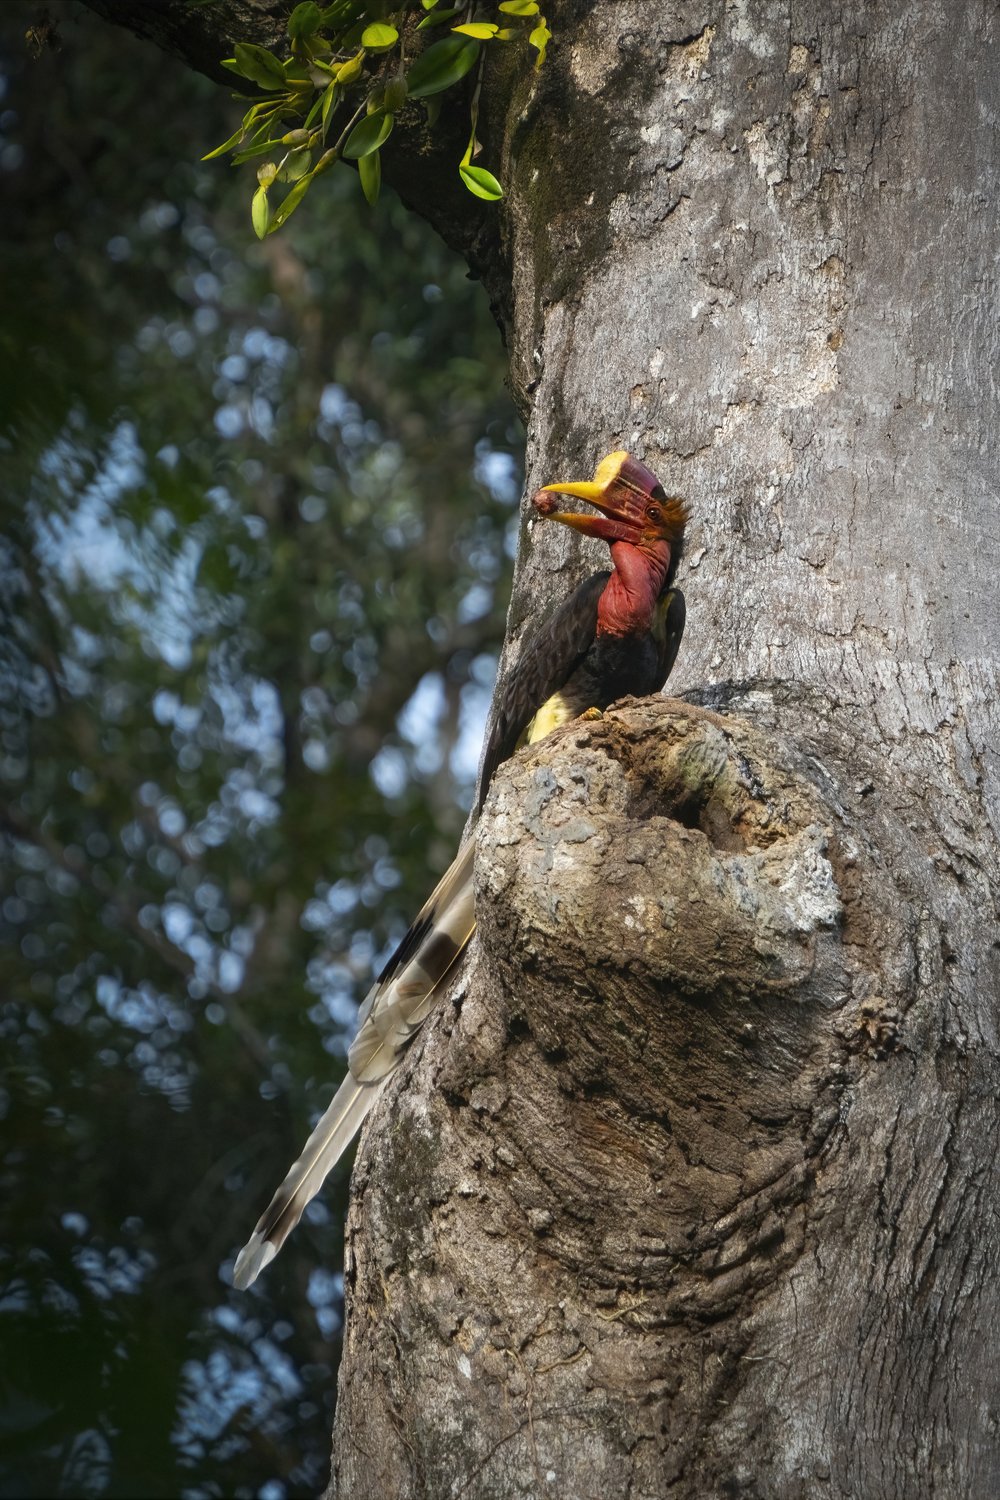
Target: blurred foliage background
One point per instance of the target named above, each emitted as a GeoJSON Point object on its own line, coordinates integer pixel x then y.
{"type": "Point", "coordinates": [258, 512]}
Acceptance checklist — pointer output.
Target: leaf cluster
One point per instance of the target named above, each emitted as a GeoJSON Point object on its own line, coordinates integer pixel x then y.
{"type": "Point", "coordinates": [337, 95]}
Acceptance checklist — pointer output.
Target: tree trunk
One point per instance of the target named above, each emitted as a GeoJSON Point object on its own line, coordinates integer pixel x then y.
{"type": "Point", "coordinates": [689, 1190]}
{"type": "Point", "coordinates": [688, 1187]}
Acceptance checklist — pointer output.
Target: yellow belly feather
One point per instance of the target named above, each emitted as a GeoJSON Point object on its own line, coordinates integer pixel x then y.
{"type": "Point", "coordinates": [553, 712]}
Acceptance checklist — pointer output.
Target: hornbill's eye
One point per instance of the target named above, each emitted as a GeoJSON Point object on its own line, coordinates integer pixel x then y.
{"type": "Point", "coordinates": [652, 512]}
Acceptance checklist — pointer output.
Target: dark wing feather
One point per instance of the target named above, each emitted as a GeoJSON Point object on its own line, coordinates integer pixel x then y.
{"type": "Point", "coordinates": [547, 661]}
{"type": "Point", "coordinates": [671, 613]}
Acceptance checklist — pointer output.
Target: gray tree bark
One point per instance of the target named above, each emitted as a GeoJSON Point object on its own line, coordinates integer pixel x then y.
{"type": "Point", "coordinates": [689, 1188]}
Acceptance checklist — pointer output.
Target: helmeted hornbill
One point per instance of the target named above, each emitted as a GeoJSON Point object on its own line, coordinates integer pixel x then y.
{"type": "Point", "coordinates": [617, 634]}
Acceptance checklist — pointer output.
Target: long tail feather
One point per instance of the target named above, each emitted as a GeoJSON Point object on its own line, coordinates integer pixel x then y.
{"type": "Point", "coordinates": [398, 1004]}
{"type": "Point", "coordinates": [329, 1140]}
{"type": "Point", "coordinates": [393, 1011]}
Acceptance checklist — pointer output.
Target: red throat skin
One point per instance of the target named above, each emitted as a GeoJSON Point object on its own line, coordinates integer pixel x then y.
{"type": "Point", "coordinates": [626, 607]}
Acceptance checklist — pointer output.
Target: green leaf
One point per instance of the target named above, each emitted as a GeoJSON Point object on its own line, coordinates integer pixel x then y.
{"type": "Point", "coordinates": [428, 4]}
{"type": "Point", "coordinates": [296, 166]}
{"type": "Point", "coordinates": [436, 17]}
{"type": "Point", "coordinates": [379, 37]}
{"type": "Point", "coordinates": [369, 135]}
{"type": "Point", "coordinates": [481, 182]}
{"type": "Point", "coordinates": [329, 98]}
{"type": "Point", "coordinates": [304, 20]}
{"type": "Point", "coordinates": [260, 213]}
{"type": "Point", "coordinates": [483, 31]}
{"type": "Point", "coordinates": [290, 203]}
{"type": "Point", "coordinates": [519, 7]}
{"type": "Point", "coordinates": [259, 65]}
{"type": "Point", "coordinates": [342, 13]}
{"type": "Point", "coordinates": [257, 150]}
{"type": "Point", "coordinates": [540, 38]}
{"type": "Point", "coordinates": [233, 140]}
{"type": "Point", "coordinates": [263, 107]}
{"type": "Point", "coordinates": [370, 173]}
{"type": "Point", "coordinates": [350, 39]}
{"type": "Point", "coordinates": [263, 128]}
{"type": "Point", "coordinates": [443, 64]}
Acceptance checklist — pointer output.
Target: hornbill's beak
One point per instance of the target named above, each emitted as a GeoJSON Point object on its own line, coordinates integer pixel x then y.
{"type": "Point", "coordinates": [629, 496]}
